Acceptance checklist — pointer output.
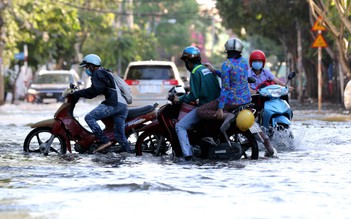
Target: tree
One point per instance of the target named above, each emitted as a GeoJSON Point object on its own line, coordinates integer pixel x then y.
{"type": "Point", "coordinates": [60, 32]}
{"type": "Point", "coordinates": [270, 26]}
{"type": "Point", "coordinates": [336, 18]}
{"type": "Point", "coordinates": [48, 28]}
{"type": "Point", "coordinates": [281, 21]}
{"type": "Point", "coordinates": [2, 43]}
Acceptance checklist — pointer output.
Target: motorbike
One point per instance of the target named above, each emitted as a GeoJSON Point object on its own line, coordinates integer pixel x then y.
{"type": "Point", "coordinates": [273, 110]}
{"type": "Point", "coordinates": [207, 138]}
{"type": "Point", "coordinates": [56, 134]}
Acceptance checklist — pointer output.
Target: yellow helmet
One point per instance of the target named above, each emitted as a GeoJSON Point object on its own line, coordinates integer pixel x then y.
{"type": "Point", "coordinates": [245, 119]}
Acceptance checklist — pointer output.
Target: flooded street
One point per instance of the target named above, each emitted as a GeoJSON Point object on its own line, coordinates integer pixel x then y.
{"type": "Point", "coordinates": [311, 179]}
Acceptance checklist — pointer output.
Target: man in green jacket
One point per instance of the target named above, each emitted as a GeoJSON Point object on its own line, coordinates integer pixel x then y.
{"type": "Point", "coordinates": [204, 87]}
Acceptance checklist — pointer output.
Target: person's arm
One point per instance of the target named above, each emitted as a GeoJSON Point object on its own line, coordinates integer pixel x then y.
{"type": "Point", "coordinates": [97, 87]}
{"type": "Point", "coordinates": [193, 95]}
{"type": "Point", "coordinates": [212, 69]}
{"type": "Point", "coordinates": [279, 82]}
{"type": "Point", "coordinates": [225, 79]}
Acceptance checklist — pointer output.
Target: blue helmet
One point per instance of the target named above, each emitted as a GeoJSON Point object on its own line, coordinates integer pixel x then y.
{"type": "Point", "coordinates": [91, 59]}
{"type": "Point", "coordinates": [191, 52]}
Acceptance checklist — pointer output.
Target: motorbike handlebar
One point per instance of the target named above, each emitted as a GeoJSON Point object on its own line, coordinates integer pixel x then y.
{"type": "Point", "coordinates": [170, 97]}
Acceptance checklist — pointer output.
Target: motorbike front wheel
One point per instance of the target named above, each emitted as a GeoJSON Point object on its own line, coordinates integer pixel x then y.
{"type": "Point", "coordinates": [149, 142]}
{"type": "Point", "coordinates": [248, 143]}
{"type": "Point", "coordinates": [41, 135]}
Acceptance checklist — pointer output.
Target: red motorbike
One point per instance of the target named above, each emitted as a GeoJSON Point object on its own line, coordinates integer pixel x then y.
{"type": "Point", "coordinates": [208, 141]}
{"type": "Point", "coordinates": [56, 134]}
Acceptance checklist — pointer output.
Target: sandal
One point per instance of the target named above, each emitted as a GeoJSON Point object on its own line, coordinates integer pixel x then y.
{"type": "Point", "coordinates": [102, 147]}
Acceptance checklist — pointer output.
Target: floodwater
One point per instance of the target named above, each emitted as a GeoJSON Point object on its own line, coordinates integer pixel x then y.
{"type": "Point", "coordinates": [310, 179]}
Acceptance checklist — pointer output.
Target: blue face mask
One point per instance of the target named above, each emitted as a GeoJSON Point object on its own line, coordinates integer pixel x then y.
{"type": "Point", "coordinates": [257, 65]}
{"type": "Point", "coordinates": [88, 72]}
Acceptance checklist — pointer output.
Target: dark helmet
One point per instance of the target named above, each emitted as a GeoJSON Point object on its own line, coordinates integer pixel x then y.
{"type": "Point", "coordinates": [191, 52]}
{"type": "Point", "coordinates": [91, 59]}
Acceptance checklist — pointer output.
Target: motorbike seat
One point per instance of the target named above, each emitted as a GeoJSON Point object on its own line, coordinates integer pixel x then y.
{"type": "Point", "coordinates": [138, 111]}
{"type": "Point", "coordinates": [241, 107]}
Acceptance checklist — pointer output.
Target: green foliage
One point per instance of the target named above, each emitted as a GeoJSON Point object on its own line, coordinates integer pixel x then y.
{"type": "Point", "coordinates": [266, 22]}
{"type": "Point", "coordinates": [169, 22]}
{"type": "Point", "coordinates": [47, 28]}
{"type": "Point", "coordinates": [66, 30]}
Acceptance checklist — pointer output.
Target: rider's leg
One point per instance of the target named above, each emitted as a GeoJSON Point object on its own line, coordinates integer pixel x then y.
{"type": "Point", "coordinates": [91, 119]}
{"type": "Point", "coordinates": [187, 122]}
{"type": "Point", "coordinates": [228, 117]}
{"type": "Point", "coordinates": [119, 127]}
{"type": "Point", "coordinates": [270, 151]}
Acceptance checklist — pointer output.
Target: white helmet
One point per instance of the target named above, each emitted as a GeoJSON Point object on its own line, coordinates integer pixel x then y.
{"type": "Point", "coordinates": [233, 44]}
{"type": "Point", "coordinates": [91, 59]}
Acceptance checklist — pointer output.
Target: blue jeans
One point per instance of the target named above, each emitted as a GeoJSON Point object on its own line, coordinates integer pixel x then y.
{"type": "Point", "coordinates": [186, 123]}
{"type": "Point", "coordinates": [119, 114]}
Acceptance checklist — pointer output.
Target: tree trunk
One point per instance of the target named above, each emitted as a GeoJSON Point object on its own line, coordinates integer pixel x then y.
{"type": "Point", "coordinates": [299, 64]}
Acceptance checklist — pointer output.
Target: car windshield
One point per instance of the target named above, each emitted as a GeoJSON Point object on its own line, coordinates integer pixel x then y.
{"type": "Point", "coordinates": [150, 73]}
{"type": "Point", "coordinates": [54, 79]}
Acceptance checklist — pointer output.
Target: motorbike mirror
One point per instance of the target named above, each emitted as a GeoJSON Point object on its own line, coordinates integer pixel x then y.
{"type": "Point", "coordinates": [180, 90]}
{"type": "Point", "coordinates": [251, 79]}
{"type": "Point", "coordinates": [291, 75]}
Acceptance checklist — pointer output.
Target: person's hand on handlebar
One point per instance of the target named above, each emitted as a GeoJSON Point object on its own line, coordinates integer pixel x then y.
{"type": "Point", "coordinates": [176, 99]}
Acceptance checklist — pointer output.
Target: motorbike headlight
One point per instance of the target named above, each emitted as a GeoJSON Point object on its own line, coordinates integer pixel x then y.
{"type": "Point", "coordinates": [32, 91]}
{"type": "Point", "coordinates": [277, 92]}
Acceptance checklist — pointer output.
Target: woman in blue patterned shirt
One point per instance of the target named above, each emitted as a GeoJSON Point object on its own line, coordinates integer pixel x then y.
{"type": "Point", "coordinates": [235, 88]}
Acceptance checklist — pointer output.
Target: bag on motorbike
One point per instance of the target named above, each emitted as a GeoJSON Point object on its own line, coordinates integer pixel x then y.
{"type": "Point", "coordinates": [224, 151]}
{"type": "Point", "coordinates": [124, 87]}
{"type": "Point", "coordinates": [209, 149]}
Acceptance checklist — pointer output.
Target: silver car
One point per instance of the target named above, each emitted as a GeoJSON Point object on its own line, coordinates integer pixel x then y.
{"type": "Point", "coordinates": [150, 81]}
{"type": "Point", "coordinates": [48, 85]}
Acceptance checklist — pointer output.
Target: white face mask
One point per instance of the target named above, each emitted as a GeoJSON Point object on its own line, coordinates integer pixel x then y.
{"type": "Point", "coordinates": [257, 65]}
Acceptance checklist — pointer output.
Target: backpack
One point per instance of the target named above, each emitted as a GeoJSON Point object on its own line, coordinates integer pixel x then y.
{"type": "Point", "coordinates": [124, 87]}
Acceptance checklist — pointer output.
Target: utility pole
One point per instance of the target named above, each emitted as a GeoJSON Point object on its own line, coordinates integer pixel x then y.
{"type": "Point", "coordinates": [319, 43]}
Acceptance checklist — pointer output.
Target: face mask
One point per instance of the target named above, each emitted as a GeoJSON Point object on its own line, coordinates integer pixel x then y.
{"type": "Point", "coordinates": [257, 65]}
{"type": "Point", "coordinates": [88, 72]}
{"type": "Point", "coordinates": [187, 66]}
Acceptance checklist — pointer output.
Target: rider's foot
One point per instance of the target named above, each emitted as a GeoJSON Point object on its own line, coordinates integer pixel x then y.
{"type": "Point", "coordinates": [187, 158]}
{"type": "Point", "coordinates": [122, 150]}
{"type": "Point", "coordinates": [102, 147]}
{"type": "Point", "coordinates": [271, 153]}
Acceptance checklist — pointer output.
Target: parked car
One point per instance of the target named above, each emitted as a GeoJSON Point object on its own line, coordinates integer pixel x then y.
{"type": "Point", "coordinates": [150, 81]}
{"type": "Point", "coordinates": [48, 85]}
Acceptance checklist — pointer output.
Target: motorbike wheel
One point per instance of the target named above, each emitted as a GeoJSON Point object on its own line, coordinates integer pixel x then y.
{"type": "Point", "coordinates": [248, 143]}
{"type": "Point", "coordinates": [153, 143]}
{"type": "Point", "coordinates": [41, 135]}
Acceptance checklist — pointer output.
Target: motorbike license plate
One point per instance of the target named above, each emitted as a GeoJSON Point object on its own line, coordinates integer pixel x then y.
{"type": "Point", "coordinates": [255, 128]}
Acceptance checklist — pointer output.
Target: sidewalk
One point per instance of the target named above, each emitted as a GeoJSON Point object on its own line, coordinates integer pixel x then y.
{"type": "Point", "coordinates": [313, 105]}
{"type": "Point", "coordinates": [329, 111]}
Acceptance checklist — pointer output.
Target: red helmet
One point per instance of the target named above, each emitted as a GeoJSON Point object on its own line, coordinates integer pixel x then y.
{"type": "Point", "coordinates": [257, 55]}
